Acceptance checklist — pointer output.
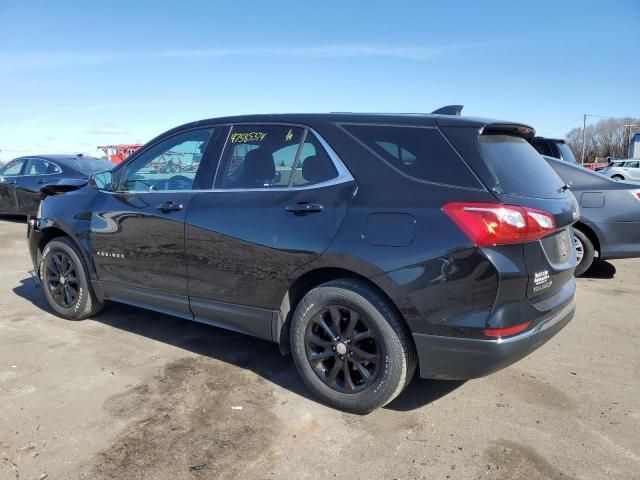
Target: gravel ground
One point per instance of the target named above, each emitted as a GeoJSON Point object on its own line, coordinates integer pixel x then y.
{"type": "Point", "coordinates": [132, 394]}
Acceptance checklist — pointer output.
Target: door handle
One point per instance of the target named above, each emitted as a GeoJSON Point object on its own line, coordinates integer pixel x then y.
{"type": "Point", "coordinates": [302, 208]}
{"type": "Point", "coordinates": [170, 207]}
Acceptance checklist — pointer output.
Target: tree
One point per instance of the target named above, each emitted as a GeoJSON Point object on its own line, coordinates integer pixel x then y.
{"type": "Point", "coordinates": [606, 138]}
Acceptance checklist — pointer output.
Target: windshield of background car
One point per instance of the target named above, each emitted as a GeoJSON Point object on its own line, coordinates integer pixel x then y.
{"type": "Point", "coordinates": [518, 167]}
{"type": "Point", "coordinates": [90, 165]}
{"type": "Point", "coordinates": [567, 153]}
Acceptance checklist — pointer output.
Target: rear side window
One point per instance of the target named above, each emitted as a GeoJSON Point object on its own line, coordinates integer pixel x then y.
{"type": "Point", "coordinates": [259, 156]}
{"type": "Point", "coordinates": [38, 166]}
{"type": "Point", "coordinates": [313, 164]}
{"type": "Point", "coordinates": [422, 153]}
{"type": "Point", "coordinates": [273, 156]}
{"type": "Point", "coordinates": [520, 170]}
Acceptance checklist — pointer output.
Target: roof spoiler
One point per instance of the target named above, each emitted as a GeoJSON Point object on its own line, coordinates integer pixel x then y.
{"type": "Point", "coordinates": [449, 110]}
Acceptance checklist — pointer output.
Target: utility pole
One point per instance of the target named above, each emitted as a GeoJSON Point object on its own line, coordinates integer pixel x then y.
{"type": "Point", "coordinates": [584, 128]}
{"type": "Point", "coordinates": [629, 126]}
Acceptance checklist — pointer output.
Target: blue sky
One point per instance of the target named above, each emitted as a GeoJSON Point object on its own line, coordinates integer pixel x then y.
{"type": "Point", "coordinates": [77, 74]}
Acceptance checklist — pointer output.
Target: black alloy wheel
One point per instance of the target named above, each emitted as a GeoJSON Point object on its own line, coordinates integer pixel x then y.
{"type": "Point", "coordinates": [350, 346]}
{"type": "Point", "coordinates": [62, 280]}
{"type": "Point", "coordinates": [342, 349]}
{"type": "Point", "coordinates": [65, 281]}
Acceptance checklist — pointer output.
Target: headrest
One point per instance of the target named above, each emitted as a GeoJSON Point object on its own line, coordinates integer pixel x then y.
{"type": "Point", "coordinates": [318, 168]}
{"type": "Point", "coordinates": [259, 168]}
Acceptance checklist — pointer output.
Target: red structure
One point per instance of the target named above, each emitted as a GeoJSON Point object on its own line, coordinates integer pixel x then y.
{"type": "Point", "coordinates": [117, 153]}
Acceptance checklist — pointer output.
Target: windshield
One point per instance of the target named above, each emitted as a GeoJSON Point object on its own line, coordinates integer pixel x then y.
{"type": "Point", "coordinates": [566, 152]}
{"type": "Point", "coordinates": [90, 165]}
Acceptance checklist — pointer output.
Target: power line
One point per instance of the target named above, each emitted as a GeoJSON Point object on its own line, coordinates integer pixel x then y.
{"type": "Point", "coordinates": [547, 132]}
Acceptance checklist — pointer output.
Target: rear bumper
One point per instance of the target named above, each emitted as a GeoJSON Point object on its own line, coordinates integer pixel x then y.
{"type": "Point", "coordinates": [454, 358]}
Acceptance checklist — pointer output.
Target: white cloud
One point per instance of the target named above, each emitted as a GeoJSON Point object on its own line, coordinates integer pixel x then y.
{"type": "Point", "coordinates": [108, 130]}
{"type": "Point", "coordinates": [28, 60]}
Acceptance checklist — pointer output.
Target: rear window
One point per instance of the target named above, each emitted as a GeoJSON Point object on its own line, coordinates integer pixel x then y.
{"type": "Point", "coordinates": [519, 169]}
{"type": "Point", "coordinates": [422, 153]}
{"type": "Point", "coordinates": [567, 153]}
{"type": "Point", "coordinates": [90, 165]}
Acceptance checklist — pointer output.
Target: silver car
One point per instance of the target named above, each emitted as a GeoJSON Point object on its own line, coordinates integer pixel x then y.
{"type": "Point", "coordinates": [623, 170]}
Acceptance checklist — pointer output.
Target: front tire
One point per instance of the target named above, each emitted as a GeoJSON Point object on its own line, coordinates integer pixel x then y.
{"type": "Point", "coordinates": [350, 347]}
{"type": "Point", "coordinates": [585, 252]}
{"type": "Point", "coordinates": [65, 282]}
{"type": "Point", "coordinates": [617, 178]}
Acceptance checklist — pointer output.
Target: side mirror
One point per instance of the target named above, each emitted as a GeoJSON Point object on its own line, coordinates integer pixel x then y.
{"type": "Point", "coordinates": [102, 181]}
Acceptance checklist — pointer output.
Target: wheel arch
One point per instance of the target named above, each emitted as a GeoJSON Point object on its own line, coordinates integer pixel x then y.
{"type": "Point", "coordinates": [52, 232]}
{"type": "Point", "coordinates": [48, 234]}
{"type": "Point", "coordinates": [306, 282]}
{"type": "Point", "coordinates": [590, 234]}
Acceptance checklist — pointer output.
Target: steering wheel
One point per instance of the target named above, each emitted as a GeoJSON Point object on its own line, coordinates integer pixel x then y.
{"type": "Point", "coordinates": [179, 181]}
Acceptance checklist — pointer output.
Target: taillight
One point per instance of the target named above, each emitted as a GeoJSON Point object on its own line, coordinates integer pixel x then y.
{"type": "Point", "coordinates": [489, 224]}
{"type": "Point", "coordinates": [636, 193]}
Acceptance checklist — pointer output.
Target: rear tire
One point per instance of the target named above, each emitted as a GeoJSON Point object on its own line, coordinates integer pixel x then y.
{"type": "Point", "coordinates": [350, 346]}
{"type": "Point", "coordinates": [65, 282]}
{"type": "Point", "coordinates": [585, 246]}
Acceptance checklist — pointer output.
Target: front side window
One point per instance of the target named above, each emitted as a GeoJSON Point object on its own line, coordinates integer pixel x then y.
{"type": "Point", "coordinates": [632, 164]}
{"type": "Point", "coordinates": [170, 165]}
{"type": "Point", "coordinates": [259, 156]}
{"type": "Point", "coordinates": [38, 166]}
{"type": "Point", "coordinates": [12, 168]}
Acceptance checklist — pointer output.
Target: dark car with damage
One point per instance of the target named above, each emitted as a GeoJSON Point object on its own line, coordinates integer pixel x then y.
{"type": "Point", "coordinates": [22, 179]}
{"type": "Point", "coordinates": [364, 244]}
{"type": "Point", "coordinates": [609, 225]}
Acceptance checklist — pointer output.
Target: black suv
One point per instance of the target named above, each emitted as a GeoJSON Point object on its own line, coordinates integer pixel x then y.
{"type": "Point", "coordinates": [554, 147]}
{"type": "Point", "coordinates": [364, 244]}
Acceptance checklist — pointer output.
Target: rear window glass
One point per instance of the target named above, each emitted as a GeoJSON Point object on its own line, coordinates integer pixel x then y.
{"type": "Point", "coordinates": [422, 153]}
{"type": "Point", "coordinates": [567, 153]}
{"type": "Point", "coordinates": [90, 165]}
{"type": "Point", "coordinates": [518, 167]}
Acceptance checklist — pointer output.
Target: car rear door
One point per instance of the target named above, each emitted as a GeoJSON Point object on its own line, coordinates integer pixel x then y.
{"type": "Point", "coordinates": [279, 196]}
{"type": "Point", "coordinates": [137, 231]}
{"type": "Point", "coordinates": [9, 176]}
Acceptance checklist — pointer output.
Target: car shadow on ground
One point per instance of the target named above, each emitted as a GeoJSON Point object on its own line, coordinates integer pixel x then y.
{"type": "Point", "coordinates": [600, 269]}
{"type": "Point", "coordinates": [236, 349]}
{"type": "Point", "coordinates": [13, 218]}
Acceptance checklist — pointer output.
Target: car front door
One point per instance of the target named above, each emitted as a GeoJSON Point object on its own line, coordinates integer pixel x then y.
{"type": "Point", "coordinates": [279, 197]}
{"type": "Point", "coordinates": [137, 230]}
{"type": "Point", "coordinates": [37, 172]}
{"type": "Point", "coordinates": [9, 175]}
{"type": "Point", "coordinates": [633, 169]}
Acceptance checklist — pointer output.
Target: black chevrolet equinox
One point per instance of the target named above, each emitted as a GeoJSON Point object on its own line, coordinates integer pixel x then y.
{"type": "Point", "coordinates": [363, 244]}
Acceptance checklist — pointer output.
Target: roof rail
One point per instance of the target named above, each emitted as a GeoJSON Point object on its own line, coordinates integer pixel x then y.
{"type": "Point", "coordinates": [449, 110]}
